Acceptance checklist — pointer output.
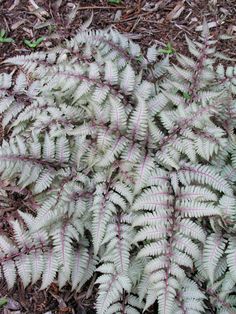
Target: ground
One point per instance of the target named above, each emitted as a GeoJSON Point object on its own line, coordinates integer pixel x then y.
{"type": "Point", "coordinates": [148, 22]}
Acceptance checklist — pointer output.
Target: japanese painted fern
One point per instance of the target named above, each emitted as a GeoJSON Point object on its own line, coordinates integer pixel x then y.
{"type": "Point", "coordinates": [128, 165]}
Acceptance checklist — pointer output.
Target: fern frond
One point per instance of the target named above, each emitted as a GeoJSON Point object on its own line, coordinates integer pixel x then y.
{"type": "Point", "coordinates": [213, 250]}
{"type": "Point", "coordinates": [125, 165]}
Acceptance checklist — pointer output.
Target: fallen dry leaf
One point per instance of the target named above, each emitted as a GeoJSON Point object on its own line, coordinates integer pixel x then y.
{"type": "Point", "coordinates": [6, 311]}
{"type": "Point", "coordinates": [213, 2]}
{"type": "Point", "coordinates": [151, 7]}
{"type": "Point", "coordinates": [40, 12]}
{"type": "Point", "coordinates": [175, 13]}
{"type": "Point", "coordinates": [72, 14]}
{"type": "Point", "coordinates": [15, 3]}
{"type": "Point", "coordinates": [87, 23]}
{"type": "Point", "coordinates": [17, 24]}
{"type": "Point", "coordinates": [13, 305]}
{"type": "Point", "coordinates": [118, 15]}
{"type": "Point", "coordinates": [28, 31]}
{"type": "Point", "coordinates": [231, 29]}
{"type": "Point", "coordinates": [210, 25]}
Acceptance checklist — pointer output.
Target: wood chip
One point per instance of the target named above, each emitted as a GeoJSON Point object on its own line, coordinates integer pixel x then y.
{"type": "Point", "coordinates": [40, 12]}
{"type": "Point", "coordinates": [224, 10]}
{"type": "Point", "coordinates": [213, 2]}
{"type": "Point", "coordinates": [28, 31]}
{"type": "Point", "coordinates": [151, 7]}
{"type": "Point", "coordinates": [118, 15]}
{"type": "Point", "coordinates": [210, 25]}
{"type": "Point", "coordinates": [72, 14]}
{"type": "Point", "coordinates": [175, 13]}
{"type": "Point", "coordinates": [87, 23]}
{"type": "Point", "coordinates": [15, 3]}
{"type": "Point", "coordinates": [39, 25]}
{"type": "Point", "coordinates": [13, 305]}
{"type": "Point", "coordinates": [34, 4]}
{"type": "Point", "coordinates": [231, 29]}
{"type": "Point", "coordinates": [58, 3]}
{"type": "Point", "coordinates": [17, 24]}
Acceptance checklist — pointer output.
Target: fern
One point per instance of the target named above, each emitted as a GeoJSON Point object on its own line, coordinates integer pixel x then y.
{"type": "Point", "coordinates": [127, 164]}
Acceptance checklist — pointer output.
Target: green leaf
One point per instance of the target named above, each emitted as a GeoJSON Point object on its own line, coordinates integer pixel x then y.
{"type": "Point", "coordinates": [186, 95]}
{"type": "Point", "coordinates": [3, 301]}
{"type": "Point", "coordinates": [139, 58]}
{"type": "Point", "coordinates": [28, 43]}
{"type": "Point", "coordinates": [39, 40]}
{"type": "Point", "coordinates": [114, 1]}
{"type": "Point", "coordinates": [33, 44]}
{"type": "Point", "coordinates": [5, 39]}
{"type": "Point", "coordinates": [168, 50]}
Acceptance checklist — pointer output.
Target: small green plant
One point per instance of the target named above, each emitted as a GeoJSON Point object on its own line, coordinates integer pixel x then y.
{"type": "Point", "coordinates": [139, 58]}
{"type": "Point", "coordinates": [3, 301]}
{"type": "Point", "coordinates": [33, 44]}
{"type": "Point", "coordinates": [169, 50]}
{"type": "Point", "coordinates": [3, 38]}
{"type": "Point", "coordinates": [186, 95]}
{"type": "Point", "coordinates": [114, 1]}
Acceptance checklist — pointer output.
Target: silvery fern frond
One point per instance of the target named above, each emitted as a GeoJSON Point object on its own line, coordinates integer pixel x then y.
{"type": "Point", "coordinates": [127, 166]}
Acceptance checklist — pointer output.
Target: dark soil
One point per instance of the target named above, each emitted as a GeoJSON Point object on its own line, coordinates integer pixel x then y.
{"type": "Point", "coordinates": [157, 21]}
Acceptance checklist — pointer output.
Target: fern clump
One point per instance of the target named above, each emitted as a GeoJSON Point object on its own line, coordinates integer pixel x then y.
{"type": "Point", "coordinates": [128, 164]}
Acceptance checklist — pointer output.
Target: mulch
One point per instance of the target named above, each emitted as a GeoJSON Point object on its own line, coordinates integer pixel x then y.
{"type": "Point", "coordinates": [148, 22]}
{"type": "Point", "coordinates": [157, 21]}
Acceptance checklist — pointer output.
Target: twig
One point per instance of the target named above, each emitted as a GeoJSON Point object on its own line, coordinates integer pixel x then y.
{"type": "Point", "coordinates": [139, 6]}
{"type": "Point", "coordinates": [100, 7]}
{"type": "Point", "coordinates": [135, 24]}
{"type": "Point", "coordinates": [131, 18]}
{"type": "Point", "coordinates": [34, 4]}
{"type": "Point", "coordinates": [16, 2]}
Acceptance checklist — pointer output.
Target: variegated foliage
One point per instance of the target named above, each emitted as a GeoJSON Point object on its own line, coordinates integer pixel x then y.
{"type": "Point", "coordinates": [129, 164]}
